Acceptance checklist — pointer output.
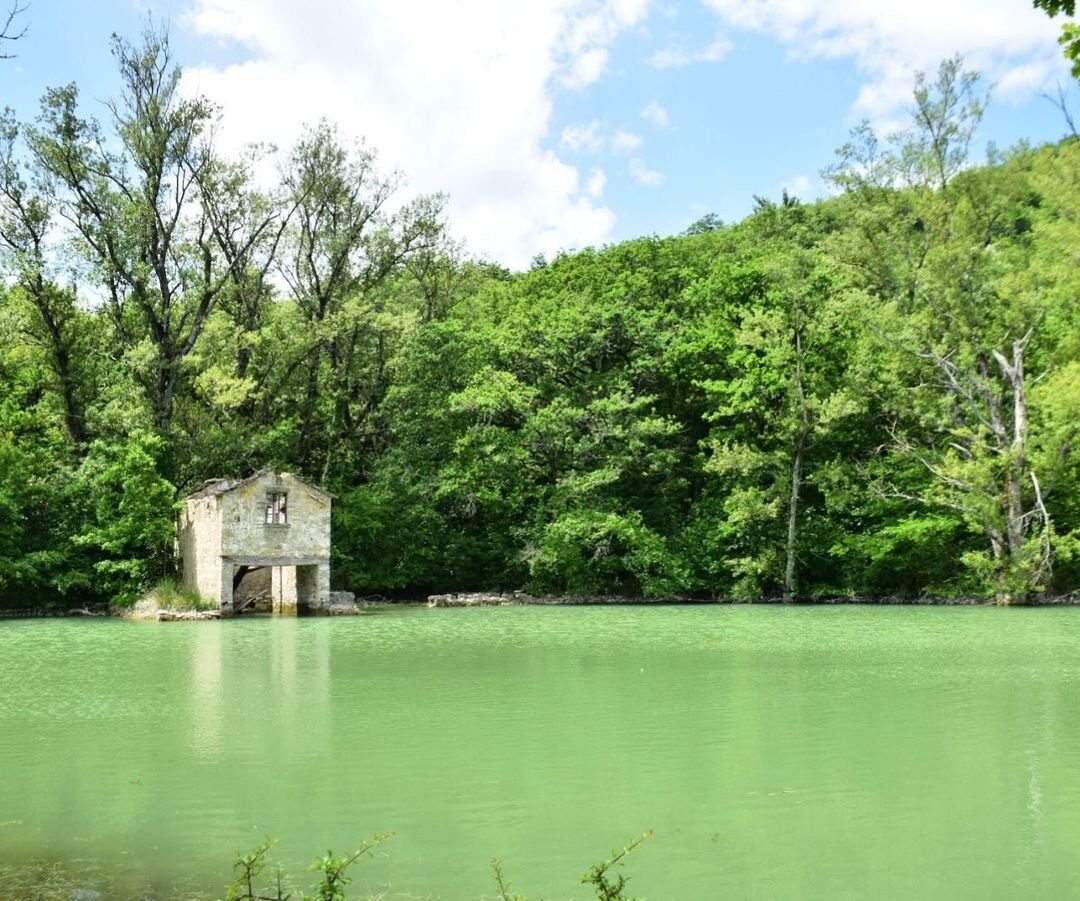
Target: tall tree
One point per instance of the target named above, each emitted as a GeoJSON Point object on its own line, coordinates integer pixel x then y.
{"type": "Point", "coordinates": [931, 240]}
{"type": "Point", "coordinates": [781, 395]}
{"type": "Point", "coordinates": [131, 194]}
{"type": "Point", "coordinates": [344, 242]}
{"type": "Point", "coordinates": [247, 226]}
{"type": "Point", "coordinates": [26, 218]}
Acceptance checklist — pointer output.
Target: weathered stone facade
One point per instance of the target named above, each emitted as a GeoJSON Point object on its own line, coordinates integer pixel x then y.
{"type": "Point", "coordinates": [273, 520]}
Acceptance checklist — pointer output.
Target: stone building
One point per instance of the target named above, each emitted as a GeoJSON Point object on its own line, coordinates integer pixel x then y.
{"type": "Point", "coordinates": [268, 534]}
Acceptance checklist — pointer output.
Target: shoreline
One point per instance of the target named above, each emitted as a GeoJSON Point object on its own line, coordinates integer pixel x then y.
{"type": "Point", "coordinates": [519, 598]}
{"type": "Point", "coordinates": [522, 599]}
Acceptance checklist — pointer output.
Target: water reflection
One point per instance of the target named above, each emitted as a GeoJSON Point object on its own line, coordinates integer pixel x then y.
{"type": "Point", "coordinates": [797, 753]}
{"type": "Point", "coordinates": [207, 690]}
{"type": "Point", "coordinates": [259, 689]}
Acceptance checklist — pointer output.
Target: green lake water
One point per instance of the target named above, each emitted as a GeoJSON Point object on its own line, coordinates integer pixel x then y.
{"type": "Point", "coordinates": [824, 752]}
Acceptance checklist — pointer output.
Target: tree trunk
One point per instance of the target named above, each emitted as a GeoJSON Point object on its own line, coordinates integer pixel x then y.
{"type": "Point", "coordinates": [165, 392]}
{"type": "Point", "coordinates": [796, 469]}
{"type": "Point", "coordinates": [60, 345]}
{"type": "Point", "coordinates": [1015, 476]}
{"type": "Point", "coordinates": [304, 437]}
{"type": "Point", "coordinates": [73, 415]}
{"type": "Point", "coordinates": [793, 520]}
{"type": "Point", "coordinates": [1002, 580]}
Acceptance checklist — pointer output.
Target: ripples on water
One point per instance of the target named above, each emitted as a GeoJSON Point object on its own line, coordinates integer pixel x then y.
{"type": "Point", "coordinates": [778, 752]}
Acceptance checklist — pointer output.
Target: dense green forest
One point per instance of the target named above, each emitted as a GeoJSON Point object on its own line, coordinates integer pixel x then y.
{"type": "Point", "coordinates": [873, 394]}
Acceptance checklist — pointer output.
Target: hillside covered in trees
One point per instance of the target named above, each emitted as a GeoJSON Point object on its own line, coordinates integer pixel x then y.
{"type": "Point", "coordinates": [873, 394]}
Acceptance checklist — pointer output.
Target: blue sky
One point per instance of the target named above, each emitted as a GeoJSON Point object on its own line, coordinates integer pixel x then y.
{"type": "Point", "coordinates": [560, 123]}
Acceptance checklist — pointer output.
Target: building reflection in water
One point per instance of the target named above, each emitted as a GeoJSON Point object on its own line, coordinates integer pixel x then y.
{"type": "Point", "coordinates": [207, 689]}
{"type": "Point", "coordinates": [259, 688]}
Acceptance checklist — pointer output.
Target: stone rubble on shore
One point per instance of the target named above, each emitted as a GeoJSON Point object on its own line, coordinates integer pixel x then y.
{"type": "Point", "coordinates": [479, 599]}
{"type": "Point", "coordinates": [169, 615]}
{"type": "Point", "coordinates": [342, 603]}
{"type": "Point", "coordinates": [506, 598]}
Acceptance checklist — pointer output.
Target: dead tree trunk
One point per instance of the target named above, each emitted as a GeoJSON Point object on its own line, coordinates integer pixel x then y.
{"type": "Point", "coordinates": [1017, 517]}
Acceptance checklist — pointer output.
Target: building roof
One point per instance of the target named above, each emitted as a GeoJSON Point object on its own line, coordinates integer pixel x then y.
{"type": "Point", "coordinates": [214, 487]}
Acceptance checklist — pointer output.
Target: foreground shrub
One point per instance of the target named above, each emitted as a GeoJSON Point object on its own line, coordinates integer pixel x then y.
{"type": "Point", "coordinates": [249, 885]}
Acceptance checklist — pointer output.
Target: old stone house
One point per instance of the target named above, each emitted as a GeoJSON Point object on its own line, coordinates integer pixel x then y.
{"type": "Point", "coordinates": [270, 530]}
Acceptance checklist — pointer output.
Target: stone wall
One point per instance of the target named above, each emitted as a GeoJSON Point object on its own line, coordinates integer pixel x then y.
{"type": "Point", "coordinates": [245, 533]}
{"type": "Point", "coordinates": [198, 541]}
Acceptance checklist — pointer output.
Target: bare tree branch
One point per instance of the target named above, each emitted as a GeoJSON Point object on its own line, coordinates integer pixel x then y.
{"type": "Point", "coordinates": [1060, 101]}
{"type": "Point", "coordinates": [9, 31]}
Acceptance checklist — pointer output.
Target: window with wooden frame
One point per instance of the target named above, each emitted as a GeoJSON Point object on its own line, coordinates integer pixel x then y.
{"type": "Point", "coordinates": [276, 508]}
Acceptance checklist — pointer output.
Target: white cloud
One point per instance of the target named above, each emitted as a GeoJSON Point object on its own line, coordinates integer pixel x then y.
{"type": "Point", "coordinates": [656, 114]}
{"type": "Point", "coordinates": [594, 139]}
{"type": "Point", "coordinates": [803, 187]}
{"type": "Point", "coordinates": [585, 138]}
{"type": "Point", "coordinates": [586, 67]}
{"type": "Point", "coordinates": [593, 25]}
{"type": "Point", "coordinates": [1028, 78]}
{"type": "Point", "coordinates": [643, 175]}
{"type": "Point", "coordinates": [677, 54]}
{"type": "Point", "coordinates": [458, 96]}
{"type": "Point", "coordinates": [594, 187]}
{"type": "Point", "coordinates": [625, 142]}
{"type": "Point", "coordinates": [1010, 42]}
